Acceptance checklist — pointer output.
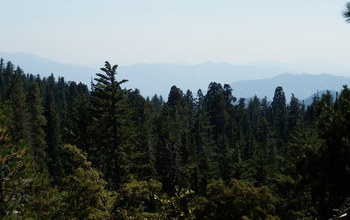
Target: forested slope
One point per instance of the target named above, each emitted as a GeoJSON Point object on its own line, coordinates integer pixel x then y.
{"type": "Point", "coordinates": [68, 152]}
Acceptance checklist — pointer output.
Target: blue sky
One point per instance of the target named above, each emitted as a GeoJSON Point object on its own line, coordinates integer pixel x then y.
{"type": "Point", "coordinates": [192, 31]}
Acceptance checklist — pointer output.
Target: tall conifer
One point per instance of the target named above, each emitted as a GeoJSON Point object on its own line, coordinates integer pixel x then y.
{"type": "Point", "coordinates": [111, 138]}
{"type": "Point", "coordinates": [37, 121]}
{"type": "Point", "coordinates": [19, 116]}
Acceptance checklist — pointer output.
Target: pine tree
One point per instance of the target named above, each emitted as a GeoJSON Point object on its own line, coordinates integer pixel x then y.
{"type": "Point", "coordinates": [2, 81]}
{"type": "Point", "coordinates": [334, 127]}
{"type": "Point", "coordinates": [279, 111]}
{"type": "Point", "coordinates": [297, 181]}
{"type": "Point", "coordinates": [52, 128]}
{"type": "Point", "coordinates": [83, 190]}
{"type": "Point", "coordinates": [79, 122]}
{"type": "Point", "coordinates": [294, 113]}
{"type": "Point", "coordinates": [173, 143]}
{"type": "Point", "coordinates": [218, 104]}
{"type": "Point", "coordinates": [235, 200]}
{"type": "Point", "coordinates": [37, 121]}
{"type": "Point", "coordinates": [19, 126]}
{"type": "Point", "coordinates": [112, 145]}
{"type": "Point", "coordinates": [25, 191]}
{"type": "Point", "coordinates": [206, 168]}
{"type": "Point", "coordinates": [346, 12]}
{"type": "Point", "coordinates": [143, 118]}
{"type": "Point", "coordinates": [8, 74]}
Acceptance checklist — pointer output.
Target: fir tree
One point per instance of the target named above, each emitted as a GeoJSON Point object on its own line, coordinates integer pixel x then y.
{"type": "Point", "coordinates": [52, 128]}
{"type": "Point", "coordinates": [112, 131]}
{"type": "Point", "coordinates": [19, 117]}
{"type": "Point", "coordinates": [279, 111]}
{"type": "Point", "coordinates": [37, 121]}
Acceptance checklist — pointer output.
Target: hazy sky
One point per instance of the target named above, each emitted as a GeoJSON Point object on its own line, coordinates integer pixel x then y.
{"type": "Point", "coordinates": [133, 31]}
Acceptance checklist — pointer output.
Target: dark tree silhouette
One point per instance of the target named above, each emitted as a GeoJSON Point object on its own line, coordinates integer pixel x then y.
{"type": "Point", "coordinates": [346, 12]}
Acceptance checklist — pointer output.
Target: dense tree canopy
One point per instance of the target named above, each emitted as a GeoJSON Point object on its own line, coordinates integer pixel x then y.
{"type": "Point", "coordinates": [70, 152]}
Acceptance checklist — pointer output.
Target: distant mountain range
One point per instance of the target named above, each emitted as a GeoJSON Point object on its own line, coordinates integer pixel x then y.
{"type": "Point", "coordinates": [301, 85]}
{"type": "Point", "coordinates": [37, 65]}
{"type": "Point", "coordinates": [310, 99]}
{"type": "Point", "coordinates": [246, 80]}
{"type": "Point", "coordinates": [158, 78]}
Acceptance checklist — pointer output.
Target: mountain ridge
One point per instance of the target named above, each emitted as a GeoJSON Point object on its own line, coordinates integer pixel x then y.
{"type": "Point", "coordinates": [33, 64]}
{"type": "Point", "coordinates": [301, 85]}
{"type": "Point", "coordinates": [157, 78]}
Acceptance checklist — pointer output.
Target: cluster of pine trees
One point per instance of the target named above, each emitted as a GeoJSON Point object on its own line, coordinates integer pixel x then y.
{"type": "Point", "coordinates": [70, 152]}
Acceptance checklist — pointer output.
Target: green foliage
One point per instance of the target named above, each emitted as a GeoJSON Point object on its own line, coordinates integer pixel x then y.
{"type": "Point", "coordinates": [136, 200]}
{"type": "Point", "coordinates": [19, 113]}
{"type": "Point", "coordinates": [37, 139]}
{"type": "Point", "coordinates": [186, 142]}
{"type": "Point", "coordinates": [334, 130]}
{"type": "Point", "coordinates": [178, 206]}
{"type": "Point", "coordinates": [84, 196]}
{"type": "Point", "coordinates": [83, 192]}
{"type": "Point", "coordinates": [112, 129]}
{"type": "Point", "coordinates": [74, 158]}
{"type": "Point", "coordinates": [294, 114]}
{"type": "Point", "coordinates": [16, 180]}
{"type": "Point", "coordinates": [77, 131]}
{"type": "Point", "coordinates": [143, 115]}
{"type": "Point", "coordinates": [279, 110]}
{"type": "Point", "coordinates": [298, 178]}
{"type": "Point", "coordinates": [175, 154]}
{"type": "Point", "coordinates": [236, 200]}
{"type": "Point", "coordinates": [25, 190]}
{"type": "Point", "coordinates": [218, 104]}
{"type": "Point", "coordinates": [53, 129]}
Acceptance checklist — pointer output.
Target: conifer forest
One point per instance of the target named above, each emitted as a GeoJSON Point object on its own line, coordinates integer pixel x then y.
{"type": "Point", "coordinates": [68, 151]}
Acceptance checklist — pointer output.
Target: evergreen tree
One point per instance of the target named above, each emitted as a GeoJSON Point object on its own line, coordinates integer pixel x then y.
{"type": "Point", "coordinates": [37, 121]}
{"type": "Point", "coordinates": [83, 190]}
{"type": "Point", "coordinates": [3, 86]}
{"type": "Point", "coordinates": [235, 200]}
{"type": "Point", "coordinates": [205, 167]}
{"type": "Point", "coordinates": [112, 144]}
{"type": "Point", "coordinates": [8, 74]}
{"type": "Point", "coordinates": [53, 130]}
{"type": "Point", "coordinates": [218, 102]}
{"type": "Point", "coordinates": [19, 117]}
{"type": "Point", "coordinates": [294, 113]}
{"type": "Point", "coordinates": [138, 200]}
{"type": "Point", "coordinates": [172, 147]}
{"type": "Point", "coordinates": [279, 111]}
{"type": "Point", "coordinates": [334, 129]}
{"type": "Point", "coordinates": [25, 191]}
{"type": "Point", "coordinates": [61, 96]}
{"type": "Point", "coordinates": [143, 161]}
{"type": "Point", "coordinates": [77, 130]}
{"type": "Point", "coordinates": [185, 143]}
{"type": "Point", "coordinates": [346, 12]}
{"type": "Point", "coordinates": [297, 182]}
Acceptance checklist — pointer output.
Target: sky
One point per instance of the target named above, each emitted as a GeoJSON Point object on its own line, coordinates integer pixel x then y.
{"type": "Point", "coordinates": [127, 32]}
